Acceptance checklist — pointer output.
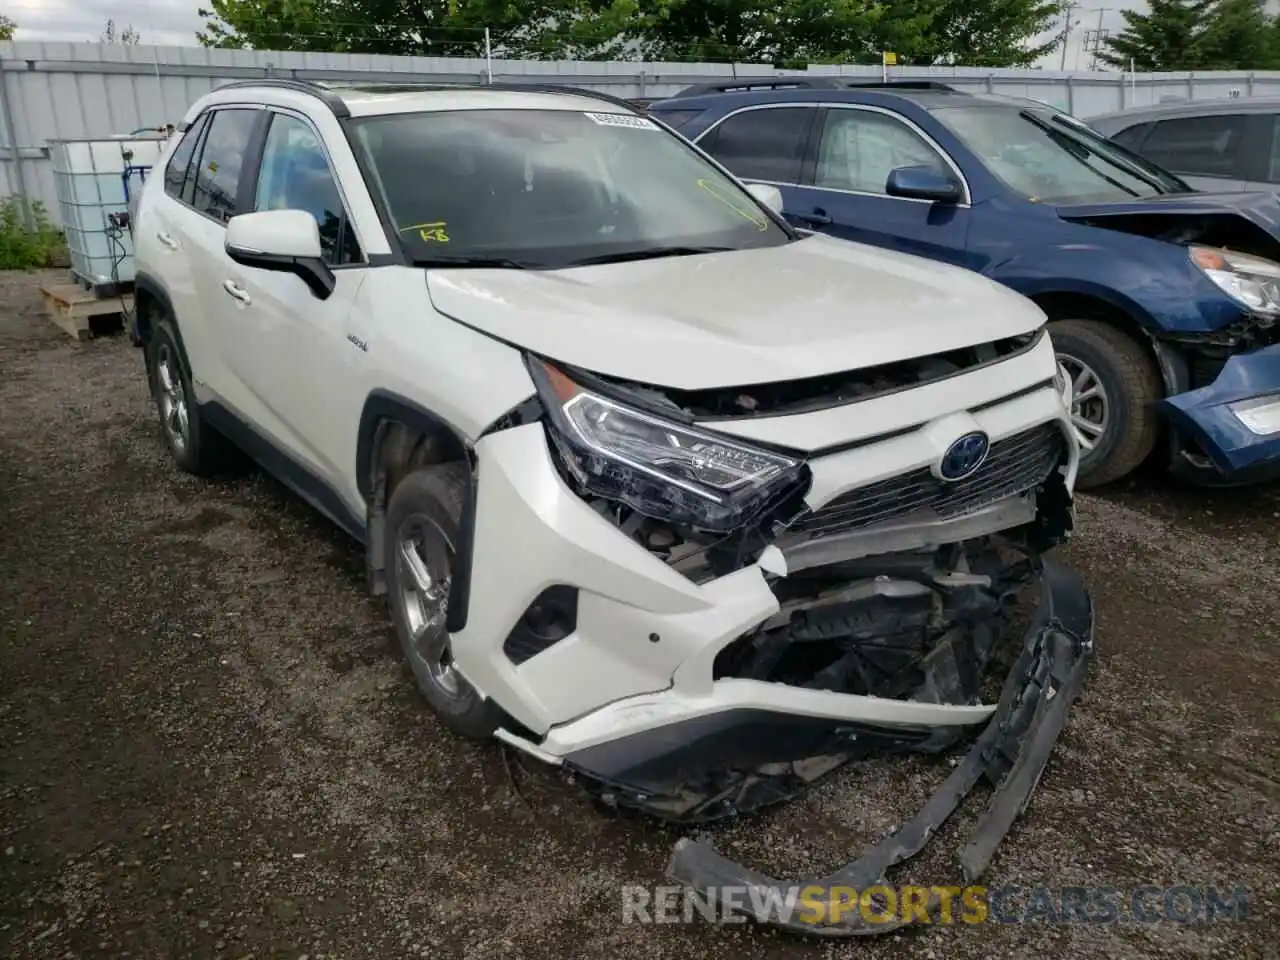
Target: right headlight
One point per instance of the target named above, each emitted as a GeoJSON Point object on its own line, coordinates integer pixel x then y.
{"type": "Point", "coordinates": [1253, 282]}
{"type": "Point", "coordinates": [659, 468]}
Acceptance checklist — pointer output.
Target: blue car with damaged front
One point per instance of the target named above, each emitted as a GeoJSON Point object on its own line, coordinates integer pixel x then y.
{"type": "Point", "coordinates": [1162, 302]}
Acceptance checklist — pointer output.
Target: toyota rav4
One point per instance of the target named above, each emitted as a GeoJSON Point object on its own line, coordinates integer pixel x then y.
{"type": "Point", "coordinates": [661, 490]}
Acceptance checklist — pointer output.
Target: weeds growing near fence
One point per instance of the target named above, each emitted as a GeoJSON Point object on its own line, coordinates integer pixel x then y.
{"type": "Point", "coordinates": [23, 249]}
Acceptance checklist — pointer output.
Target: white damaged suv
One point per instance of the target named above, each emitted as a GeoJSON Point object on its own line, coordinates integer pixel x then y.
{"type": "Point", "coordinates": [660, 489]}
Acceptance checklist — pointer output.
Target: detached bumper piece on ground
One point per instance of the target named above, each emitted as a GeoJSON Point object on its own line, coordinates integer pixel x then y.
{"type": "Point", "coordinates": [1011, 753]}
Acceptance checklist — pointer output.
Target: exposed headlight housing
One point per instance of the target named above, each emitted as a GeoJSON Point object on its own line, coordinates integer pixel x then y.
{"type": "Point", "coordinates": [1259, 415]}
{"type": "Point", "coordinates": [659, 468]}
{"type": "Point", "coordinates": [1253, 282]}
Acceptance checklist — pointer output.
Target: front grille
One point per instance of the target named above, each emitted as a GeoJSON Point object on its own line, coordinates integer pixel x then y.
{"type": "Point", "coordinates": [1014, 465]}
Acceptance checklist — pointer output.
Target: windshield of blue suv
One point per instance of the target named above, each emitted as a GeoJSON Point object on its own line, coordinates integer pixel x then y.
{"type": "Point", "coordinates": [552, 188]}
{"type": "Point", "coordinates": [1051, 158]}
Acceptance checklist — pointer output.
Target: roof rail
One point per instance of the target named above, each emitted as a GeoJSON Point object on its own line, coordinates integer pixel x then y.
{"type": "Point", "coordinates": [331, 100]}
{"type": "Point", "coordinates": [742, 84]}
{"type": "Point", "coordinates": [327, 90]}
{"type": "Point", "coordinates": [798, 82]}
{"type": "Point", "coordinates": [900, 85]}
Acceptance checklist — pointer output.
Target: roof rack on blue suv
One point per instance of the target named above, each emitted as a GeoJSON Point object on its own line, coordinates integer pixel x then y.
{"type": "Point", "coordinates": [745, 84]}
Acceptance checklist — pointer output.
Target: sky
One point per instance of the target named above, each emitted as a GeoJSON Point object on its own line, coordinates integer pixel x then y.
{"type": "Point", "coordinates": [175, 22]}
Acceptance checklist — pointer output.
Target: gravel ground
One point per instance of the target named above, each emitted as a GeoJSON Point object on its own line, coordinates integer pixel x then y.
{"type": "Point", "coordinates": [208, 747]}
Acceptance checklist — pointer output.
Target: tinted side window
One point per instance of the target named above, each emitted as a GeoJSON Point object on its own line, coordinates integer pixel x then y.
{"type": "Point", "coordinates": [1131, 137]}
{"type": "Point", "coordinates": [1273, 158]}
{"type": "Point", "coordinates": [176, 170]}
{"type": "Point", "coordinates": [859, 149]}
{"type": "Point", "coordinates": [218, 176]}
{"type": "Point", "coordinates": [295, 175]}
{"type": "Point", "coordinates": [1209, 146]}
{"type": "Point", "coordinates": [763, 144]}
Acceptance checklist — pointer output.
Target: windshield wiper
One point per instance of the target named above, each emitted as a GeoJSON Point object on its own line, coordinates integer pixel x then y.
{"type": "Point", "coordinates": [461, 260]}
{"type": "Point", "coordinates": [649, 253]}
{"type": "Point", "coordinates": [1067, 140]}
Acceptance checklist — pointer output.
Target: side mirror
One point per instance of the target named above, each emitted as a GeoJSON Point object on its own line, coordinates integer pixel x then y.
{"type": "Point", "coordinates": [922, 183]}
{"type": "Point", "coordinates": [767, 194]}
{"type": "Point", "coordinates": [285, 241]}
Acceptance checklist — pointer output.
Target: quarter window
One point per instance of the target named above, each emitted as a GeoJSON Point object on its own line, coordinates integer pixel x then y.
{"type": "Point", "coordinates": [218, 175]}
{"type": "Point", "coordinates": [763, 144]}
{"type": "Point", "coordinates": [175, 172]}
{"type": "Point", "coordinates": [1131, 137]}
{"type": "Point", "coordinates": [1208, 146]}
{"type": "Point", "coordinates": [295, 175]}
{"type": "Point", "coordinates": [860, 148]}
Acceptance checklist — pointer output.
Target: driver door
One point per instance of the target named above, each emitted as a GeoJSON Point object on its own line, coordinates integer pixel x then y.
{"type": "Point", "coordinates": [855, 149]}
{"type": "Point", "coordinates": [288, 346]}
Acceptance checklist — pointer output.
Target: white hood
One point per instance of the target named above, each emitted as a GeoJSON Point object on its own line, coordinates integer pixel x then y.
{"type": "Point", "coordinates": [808, 308]}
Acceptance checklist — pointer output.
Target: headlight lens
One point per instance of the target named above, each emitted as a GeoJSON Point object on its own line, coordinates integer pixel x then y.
{"type": "Point", "coordinates": [659, 468]}
{"type": "Point", "coordinates": [1249, 280]}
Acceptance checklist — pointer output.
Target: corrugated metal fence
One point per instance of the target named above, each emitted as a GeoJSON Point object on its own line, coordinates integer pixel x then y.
{"type": "Point", "coordinates": [53, 91]}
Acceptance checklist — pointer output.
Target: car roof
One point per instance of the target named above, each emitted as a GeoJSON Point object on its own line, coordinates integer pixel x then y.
{"type": "Point", "coordinates": [382, 99]}
{"type": "Point", "coordinates": [1189, 108]}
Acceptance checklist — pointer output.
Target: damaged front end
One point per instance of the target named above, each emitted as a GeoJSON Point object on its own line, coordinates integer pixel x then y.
{"type": "Point", "coordinates": [895, 628]}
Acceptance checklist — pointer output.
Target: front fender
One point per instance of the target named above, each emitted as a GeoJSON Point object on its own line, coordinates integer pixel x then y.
{"type": "Point", "coordinates": [1164, 293]}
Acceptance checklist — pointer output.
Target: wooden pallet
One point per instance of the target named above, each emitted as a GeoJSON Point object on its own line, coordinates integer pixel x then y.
{"type": "Point", "coordinates": [72, 307]}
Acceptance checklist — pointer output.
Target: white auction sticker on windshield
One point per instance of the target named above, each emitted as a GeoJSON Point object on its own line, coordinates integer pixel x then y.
{"type": "Point", "coordinates": [622, 120]}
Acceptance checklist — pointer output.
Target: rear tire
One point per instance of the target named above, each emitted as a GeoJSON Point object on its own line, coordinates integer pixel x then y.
{"type": "Point", "coordinates": [196, 447]}
{"type": "Point", "coordinates": [423, 527]}
{"type": "Point", "coordinates": [1114, 385]}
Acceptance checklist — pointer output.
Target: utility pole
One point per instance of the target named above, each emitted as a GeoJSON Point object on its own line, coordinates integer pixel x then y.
{"type": "Point", "coordinates": [1094, 39]}
{"type": "Point", "coordinates": [1067, 7]}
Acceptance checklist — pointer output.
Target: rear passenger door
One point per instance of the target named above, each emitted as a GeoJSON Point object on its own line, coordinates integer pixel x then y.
{"type": "Point", "coordinates": [1211, 153]}
{"type": "Point", "coordinates": [210, 198]}
{"type": "Point", "coordinates": [765, 144]}
{"type": "Point", "coordinates": [855, 150]}
{"type": "Point", "coordinates": [160, 243]}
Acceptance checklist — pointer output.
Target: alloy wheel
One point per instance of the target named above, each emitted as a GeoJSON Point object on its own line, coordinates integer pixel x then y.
{"type": "Point", "coordinates": [172, 399]}
{"type": "Point", "coordinates": [1090, 405]}
{"type": "Point", "coordinates": [423, 565]}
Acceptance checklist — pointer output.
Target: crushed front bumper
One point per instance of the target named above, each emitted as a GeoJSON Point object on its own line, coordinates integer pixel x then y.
{"type": "Point", "coordinates": [1204, 416]}
{"type": "Point", "coordinates": [1011, 753]}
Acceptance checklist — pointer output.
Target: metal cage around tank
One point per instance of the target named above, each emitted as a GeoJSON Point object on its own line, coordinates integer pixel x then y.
{"type": "Point", "coordinates": [96, 182]}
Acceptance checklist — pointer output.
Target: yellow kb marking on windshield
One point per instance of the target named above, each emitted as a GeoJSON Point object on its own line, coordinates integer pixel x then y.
{"type": "Point", "coordinates": [761, 222]}
{"type": "Point", "coordinates": [434, 231]}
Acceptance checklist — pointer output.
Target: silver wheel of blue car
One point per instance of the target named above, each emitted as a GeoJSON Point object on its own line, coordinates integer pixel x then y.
{"type": "Point", "coordinates": [1115, 385]}
{"type": "Point", "coordinates": [1090, 407]}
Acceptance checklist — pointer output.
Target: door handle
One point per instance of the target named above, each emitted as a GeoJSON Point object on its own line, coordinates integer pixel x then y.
{"type": "Point", "coordinates": [167, 240]}
{"type": "Point", "coordinates": [235, 291]}
{"type": "Point", "coordinates": [819, 217]}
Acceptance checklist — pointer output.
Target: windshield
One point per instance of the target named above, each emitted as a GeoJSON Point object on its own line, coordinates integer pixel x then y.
{"type": "Point", "coordinates": [552, 188]}
{"type": "Point", "coordinates": [1047, 157]}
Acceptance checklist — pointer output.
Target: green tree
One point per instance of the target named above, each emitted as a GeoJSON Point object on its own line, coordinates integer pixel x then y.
{"type": "Point", "coordinates": [1165, 38]}
{"type": "Point", "coordinates": [986, 33]}
{"type": "Point", "coordinates": [535, 28]}
{"type": "Point", "coordinates": [7, 27]}
{"type": "Point", "coordinates": [1237, 35]}
{"type": "Point", "coordinates": [128, 36]}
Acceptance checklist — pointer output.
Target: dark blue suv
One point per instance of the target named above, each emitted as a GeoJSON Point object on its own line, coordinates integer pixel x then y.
{"type": "Point", "coordinates": [1163, 301]}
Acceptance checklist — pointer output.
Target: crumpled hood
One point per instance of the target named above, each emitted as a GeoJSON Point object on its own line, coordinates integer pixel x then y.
{"type": "Point", "coordinates": [808, 308]}
{"type": "Point", "coordinates": [1258, 207]}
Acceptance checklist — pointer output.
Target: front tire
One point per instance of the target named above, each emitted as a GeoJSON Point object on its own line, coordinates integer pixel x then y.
{"type": "Point", "coordinates": [195, 446]}
{"type": "Point", "coordinates": [1114, 386]}
{"type": "Point", "coordinates": [423, 525]}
